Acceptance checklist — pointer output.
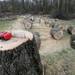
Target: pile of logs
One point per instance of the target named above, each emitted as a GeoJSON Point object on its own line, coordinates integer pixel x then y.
{"type": "Point", "coordinates": [57, 30]}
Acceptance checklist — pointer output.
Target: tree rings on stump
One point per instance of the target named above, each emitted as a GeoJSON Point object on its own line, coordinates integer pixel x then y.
{"type": "Point", "coordinates": [57, 33]}
{"type": "Point", "coordinates": [73, 41]}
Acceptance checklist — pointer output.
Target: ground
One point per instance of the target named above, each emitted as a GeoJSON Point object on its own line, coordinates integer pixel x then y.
{"type": "Point", "coordinates": [58, 56]}
{"type": "Point", "coordinates": [5, 24]}
{"type": "Point", "coordinates": [48, 44]}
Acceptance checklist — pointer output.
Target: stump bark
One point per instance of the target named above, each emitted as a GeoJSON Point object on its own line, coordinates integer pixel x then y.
{"type": "Point", "coordinates": [57, 33]}
{"type": "Point", "coordinates": [37, 40]}
{"type": "Point", "coordinates": [73, 41]}
{"type": "Point", "coordinates": [22, 60]}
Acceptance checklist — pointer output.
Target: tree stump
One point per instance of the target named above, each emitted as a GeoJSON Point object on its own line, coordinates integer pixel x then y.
{"type": "Point", "coordinates": [21, 59]}
{"type": "Point", "coordinates": [73, 41]}
{"type": "Point", "coordinates": [57, 33]}
{"type": "Point", "coordinates": [71, 30]}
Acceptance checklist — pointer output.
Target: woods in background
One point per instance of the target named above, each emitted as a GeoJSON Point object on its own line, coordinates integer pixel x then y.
{"type": "Point", "coordinates": [54, 7]}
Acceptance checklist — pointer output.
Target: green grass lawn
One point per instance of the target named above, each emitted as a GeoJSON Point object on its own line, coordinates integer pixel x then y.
{"type": "Point", "coordinates": [60, 63]}
{"type": "Point", "coordinates": [5, 24]}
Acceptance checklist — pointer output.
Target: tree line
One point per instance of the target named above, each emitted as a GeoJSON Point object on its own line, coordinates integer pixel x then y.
{"type": "Point", "coordinates": [53, 7]}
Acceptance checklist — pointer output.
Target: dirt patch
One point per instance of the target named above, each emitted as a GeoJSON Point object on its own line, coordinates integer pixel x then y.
{"type": "Point", "coordinates": [17, 24]}
{"type": "Point", "coordinates": [50, 45]}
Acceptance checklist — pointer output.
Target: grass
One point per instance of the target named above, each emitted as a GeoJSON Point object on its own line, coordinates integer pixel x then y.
{"type": "Point", "coordinates": [73, 22]}
{"type": "Point", "coordinates": [60, 63]}
{"type": "Point", "coordinates": [4, 25]}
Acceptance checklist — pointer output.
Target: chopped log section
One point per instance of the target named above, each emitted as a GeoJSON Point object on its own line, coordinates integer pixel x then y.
{"type": "Point", "coordinates": [73, 41]}
{"type": "Point", "coordinates": [27, 23]}
{"type": "Point", "coordinates": [71, 30]}
{"type": "Point", "coordinates": [57, 32]}
{"type": "Point", "coordinates": [23, 59]}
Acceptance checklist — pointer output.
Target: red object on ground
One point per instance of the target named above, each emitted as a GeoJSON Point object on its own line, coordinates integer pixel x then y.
{"type": "Point", "coordinates": [5, 35]}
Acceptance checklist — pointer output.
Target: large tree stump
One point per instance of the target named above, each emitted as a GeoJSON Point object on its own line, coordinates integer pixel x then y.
{"type": "Point", "coordinates": [73, 41]}
{"type": "Point", "coordinates": [20, 58]}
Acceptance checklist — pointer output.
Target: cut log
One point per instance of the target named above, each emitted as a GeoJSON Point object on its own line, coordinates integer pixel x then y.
{"type": "Point", "coordinates": [57, 33]}
{"type": "Point", "coordinates": [71, 30]}
{"type": "Point", "coordinates": [73, 41]}
{"type": "Point", "coordinates": [27, 23]}
{"type": "Point", "coordinates": [20, 60]}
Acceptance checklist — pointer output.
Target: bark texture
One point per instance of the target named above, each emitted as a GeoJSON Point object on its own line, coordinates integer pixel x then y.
{"type": "Point", "coordinates": [23, 60]}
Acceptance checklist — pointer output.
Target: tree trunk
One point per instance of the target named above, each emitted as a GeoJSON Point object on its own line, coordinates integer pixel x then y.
{"type": "Point", "coordinates": [22, 60]}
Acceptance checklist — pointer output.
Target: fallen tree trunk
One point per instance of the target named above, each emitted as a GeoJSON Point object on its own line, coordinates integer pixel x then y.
{"type": "Point", "coordinates": [21, 60]}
